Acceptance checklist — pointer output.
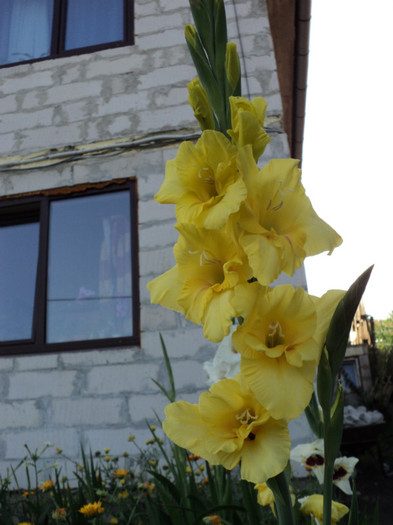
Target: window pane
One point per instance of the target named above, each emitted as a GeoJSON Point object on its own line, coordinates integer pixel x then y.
{"type": "Point", "coordinates": [93, 22]}
{"type": "Point", "coordinates": [18, 270]}
{"type": "Point", "coordinates": [25, 29]}
{"type": "Point", "coordinates": [89, 272]}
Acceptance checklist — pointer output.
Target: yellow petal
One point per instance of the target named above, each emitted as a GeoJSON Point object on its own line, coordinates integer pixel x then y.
{"type": "Point", "coordinates": [278, 210]}
{"type": "Point", "coordinates": [165, 289]}
{"type": "Point", "coordinates": [247, 123]}
{"type": "Point", "coordinates": [283, 389]}
{"type": "Point", "coordinates": [171, 189]}
{"type": "Point", "coordinates": [313, 505]}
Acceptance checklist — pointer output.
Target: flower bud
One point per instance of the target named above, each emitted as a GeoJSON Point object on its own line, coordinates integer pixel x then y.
{"type": "Point", "coordinates": [232, 64]}
{"type": "Point", "coordinates": [200, 104]}
{"type": "Point", "coordinates": [190, 35]}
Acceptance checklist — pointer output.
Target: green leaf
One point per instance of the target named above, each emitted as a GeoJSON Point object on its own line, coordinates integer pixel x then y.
{"type": "Point", "coordinates": [324, 381]}
{"type": "Point", "coordinates": [314, 417]}
{"type": "Point", "coordinates": [340, 325]}
{"type": "Point", "coordinates": [203, 15]}
{"type": "Point", "coordinates": [334, 430]}
{"type": "Point", "coordinates": [354, 512]}
{"type": "Point", "coordinates": [282, 499]}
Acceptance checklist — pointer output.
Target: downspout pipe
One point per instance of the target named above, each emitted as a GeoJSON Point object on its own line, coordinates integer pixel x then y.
{"type": "Point", "coordinates": [302, 22]}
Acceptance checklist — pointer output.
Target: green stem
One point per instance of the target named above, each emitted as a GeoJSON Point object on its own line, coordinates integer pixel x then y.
{"type": "Point", "coordinates": [328, 474]}
{"type": "Point", "coordinates": [282, 499]}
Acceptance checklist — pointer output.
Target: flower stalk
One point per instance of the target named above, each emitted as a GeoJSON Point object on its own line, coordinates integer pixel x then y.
{"type": "Point", "coordinates": [240, 227]}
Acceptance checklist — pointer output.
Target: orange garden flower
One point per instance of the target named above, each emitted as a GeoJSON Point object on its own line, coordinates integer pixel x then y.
{"type": "Point", "coordinates": [212, 520]}
{"type": "Point", "coordinates": [92, 509]}
{"type": "Point", "coordinates": [60, 514]}
{"type": "Point", "coordinates": [46, 485]}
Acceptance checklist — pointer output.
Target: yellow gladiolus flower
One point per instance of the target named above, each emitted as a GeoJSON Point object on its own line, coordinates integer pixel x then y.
{"type": "Point", "coordinates": [230, 426]}
{"type": "Point", "coordinates": [199, 101]}
{"type": "Point", "coordinates": [210, 264]}
{"type": "Point", "coordinates": [280, 343]}
{"type": "Point", "coordinates": [205, 181]}
{"type": "Point", "coordinates": [313, 505]}
{"type": "Point", "coordinates": [247, 123]}
{"type": "Point", "coordinates": [280, 227]}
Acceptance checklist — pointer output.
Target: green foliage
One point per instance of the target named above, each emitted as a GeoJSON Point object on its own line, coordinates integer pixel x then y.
{"type": "Point", "coordinates": [384, 333]}
{"type": "Point", "coordinates": [172, 487]}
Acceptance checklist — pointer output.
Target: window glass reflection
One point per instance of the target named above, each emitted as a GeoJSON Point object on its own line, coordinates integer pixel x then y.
{"type": "Point", "coordinates": [25, 30]}
{"type": "Point", "coordinates": [89, 269]}
{"type": "Point", "coordinates": [93, 22]}
{"type": "Point", "coordinates": [18, 271]}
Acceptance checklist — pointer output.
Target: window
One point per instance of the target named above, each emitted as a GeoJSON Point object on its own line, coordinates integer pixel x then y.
{"type": "Point", "coordinates": [36, 29]}
{"type": "Point", "coordinates": [68, 271]}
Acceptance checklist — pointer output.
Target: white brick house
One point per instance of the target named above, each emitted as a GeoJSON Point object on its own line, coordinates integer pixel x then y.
{"type": "Point", "coordinates": [73, 125]}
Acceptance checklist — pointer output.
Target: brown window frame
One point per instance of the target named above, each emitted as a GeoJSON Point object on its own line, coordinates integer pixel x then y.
{"type": "Point", "coordinates": [59, 32]}
{"type": "Point", "coordinates": [21, 209]}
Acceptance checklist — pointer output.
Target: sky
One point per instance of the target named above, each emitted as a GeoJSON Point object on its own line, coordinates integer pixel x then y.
{"type": "Point", "coordinates": [347, 165]}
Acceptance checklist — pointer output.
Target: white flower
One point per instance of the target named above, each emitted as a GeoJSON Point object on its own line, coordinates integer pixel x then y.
{"type": "Point", "coordinates": [226, 362]}
{"type": "Point", "coordinates": [312, 456]}
{"type": "Point", "coordinates": [343, 470]}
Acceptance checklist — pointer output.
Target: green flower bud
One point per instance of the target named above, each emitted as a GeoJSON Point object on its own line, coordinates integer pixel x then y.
{"type": "Point", "coordinates": [190, 35]}
{"type": "Point", "coordinates": [199, 101]}
{"type": "Point", "coordinates": [232, 64]}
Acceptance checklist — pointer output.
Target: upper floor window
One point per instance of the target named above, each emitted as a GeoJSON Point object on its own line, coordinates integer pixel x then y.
{"type": "Point", "coordinates": [68, 276]}
{"type": "Point", "coordinates": [35, 29]}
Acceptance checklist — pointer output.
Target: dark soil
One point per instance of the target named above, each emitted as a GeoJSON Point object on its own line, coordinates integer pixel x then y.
{"type": "Point", "coordinates": [374, 476]}
{"type": "Point", "coordinates": [375, 488]}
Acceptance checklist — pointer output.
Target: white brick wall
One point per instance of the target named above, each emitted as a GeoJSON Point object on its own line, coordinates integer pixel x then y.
{"type": "Point", "coordinates": [99, 397]}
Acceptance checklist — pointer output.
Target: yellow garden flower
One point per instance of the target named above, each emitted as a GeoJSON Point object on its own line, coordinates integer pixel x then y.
{"type": "Point", "coordinates": [123, 494]}
{"type": "Point", "coordinates": [230, 426]}
{"type": "Point", "coordinates": [205, 180]}
{"type": "Point", "coordinates": [92, 509]}
{"type": "Point", "coordinates": [280, 343]}
{"type": "Point", "coordinates": [113, 521]}
{"type": "Point", "coordinates": [247, 124]}
{"type": "Point", "coordinates": [120, 472]}
{"type": "Point", "coordinates": [279, 226]}
{"type": "Point", "coordinates": [25, 523]}
{"type": "Point", "coordinates": [210, 264]}
{"type": "Point", "coordinates": [313, 505]}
